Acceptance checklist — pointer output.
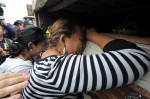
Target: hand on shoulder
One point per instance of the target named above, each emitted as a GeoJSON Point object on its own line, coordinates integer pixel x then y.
{"type": "Point", "coordinates": [91, 33]}
{"type": "Point", "coordinates": [12, 82]}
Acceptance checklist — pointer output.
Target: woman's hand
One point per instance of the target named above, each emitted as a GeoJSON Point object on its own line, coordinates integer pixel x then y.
{"type": "Point", "coordinates": [90, 33]}
{"type": "Point", "coordinates": [98, 38]}
{"type": "Point", "coordinates": [12, 82]}
{"type": "Point", "coordinates": [4, 53]}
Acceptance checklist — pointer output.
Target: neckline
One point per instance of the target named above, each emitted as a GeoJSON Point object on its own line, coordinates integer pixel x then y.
{"type": "Point", "coordinates": [21, 57]}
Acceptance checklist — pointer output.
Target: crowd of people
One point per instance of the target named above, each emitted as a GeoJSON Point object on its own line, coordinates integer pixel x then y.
{"type": "Point", "coordinates": [38, 67]}
{"type": "Point", "coordinates": [8, 33]}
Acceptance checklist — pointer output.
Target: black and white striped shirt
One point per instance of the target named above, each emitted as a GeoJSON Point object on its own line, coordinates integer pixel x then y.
{"type": "Point", "coordinates": [63, 76]}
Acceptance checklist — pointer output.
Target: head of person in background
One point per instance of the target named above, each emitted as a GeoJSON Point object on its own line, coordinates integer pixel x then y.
{"type": "Point", "coordinates": [28, 23]}
{"type": "Point", "coordinates": [10, 32]}
{"type": "Point", "coordinates": [2, 31]}
{"type": "Point", "coordinates": [4, 44]}
{"type": "Point", "coordinates": [2, 18]}
{"type": "Point", "coordinates": [28, 43]}
{"type": "Point", "coordinates": [1, 11]}
{"type": "Point", "coordinates": [1, 15]}
{"type": "Point", "coordinates": [19, 25]}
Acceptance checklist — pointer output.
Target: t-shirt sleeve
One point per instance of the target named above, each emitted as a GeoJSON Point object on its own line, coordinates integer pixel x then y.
{"type": "Point", "coordinates": [119, 44]}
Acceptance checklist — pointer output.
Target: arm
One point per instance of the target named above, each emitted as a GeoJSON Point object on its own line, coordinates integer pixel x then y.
{"type": "Point", "coordinates": [99, 39]}
{"type": "Point", "coordinates": [11, 31]}
{"type": "Point", "coordinates": [122, 63]}
{"type": "Point", "coordinates": [104, 40]}
{"type": "Point", "coordinates": [102, 71]}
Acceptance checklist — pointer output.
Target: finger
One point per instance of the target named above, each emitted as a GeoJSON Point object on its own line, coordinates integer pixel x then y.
{"type": "Point", "coordinates": [9, 75]}
{"type": "Point", "coordinates": [18, 96]}
{"type": "Point", "coordinates": [10, 89]}
{"type": "Point", "coordinates": [16, 92]}
{"type": "Point", "coordinates": [12, 81]}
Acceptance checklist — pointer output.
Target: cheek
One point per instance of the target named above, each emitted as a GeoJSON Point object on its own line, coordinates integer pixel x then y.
{"type": "Point", "coordinates": [74, 47]}
{"type": "Point", "coordinates": [17, 27]}
{"type": "Point", "coordinates": [38, 49]}
{"type": "Point", "coordinates": [70, 47]}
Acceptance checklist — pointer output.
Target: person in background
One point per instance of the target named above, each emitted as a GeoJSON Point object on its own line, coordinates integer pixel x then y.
{"type": "Point", "coordinates": [4, 45]}
{"type": "Point", "coordinates": [28, 23]}
{"type": "Point", "coordinates": [12, 82]}
{"type": "Point", "coordinates": [28, 43]}
{"type": "Point", "coordinates": [10, 32]}
{"type": "Point", "coordinates": [62, 72]}
{"type": "Point", "coordinates": [18, 25]}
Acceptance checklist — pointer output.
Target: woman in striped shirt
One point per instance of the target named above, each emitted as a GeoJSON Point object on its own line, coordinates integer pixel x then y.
{"type": "Point", "coordinates": [62, 72]}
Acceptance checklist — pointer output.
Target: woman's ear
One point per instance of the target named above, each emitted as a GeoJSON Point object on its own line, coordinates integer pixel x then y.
{"type": "Point", "coordinates": [62, 39]}
{"type": "Point", "coordinates": [30, 46]}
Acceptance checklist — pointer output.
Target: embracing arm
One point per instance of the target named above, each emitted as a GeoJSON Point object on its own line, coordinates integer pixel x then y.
{"type": "Point", "coordinates": [104, 41]}
{"type": "Point", "coordinates": [97, 38]}
{"type": "Point", "coordinates": [122, 63]}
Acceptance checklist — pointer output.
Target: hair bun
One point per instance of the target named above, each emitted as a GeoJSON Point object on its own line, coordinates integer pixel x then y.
{"type": "Point", "coordinates": [15, 49]}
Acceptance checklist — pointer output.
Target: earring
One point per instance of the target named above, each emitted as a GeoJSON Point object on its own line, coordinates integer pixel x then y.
{"type": "Point", "coordinates": [64, 51]}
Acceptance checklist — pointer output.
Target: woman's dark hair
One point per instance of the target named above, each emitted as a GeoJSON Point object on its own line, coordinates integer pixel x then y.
{"type": "Point", "coordinates": [2, 26]}
{"type": "Point", "coordinates": [1, 11]}
{"type": "Point", "coordinates": [29, 34]}
{"type": "Point", "coordinates": [59, 27]}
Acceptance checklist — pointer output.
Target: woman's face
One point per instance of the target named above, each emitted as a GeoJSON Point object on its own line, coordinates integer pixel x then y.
{"type": "Point", "coordinates": [37, 48]}
{"type": "Point", "coordinates": [1, 31]}
{"type": "Point", "coordinates": [19, 27]}
{"type": "Point", "coordinates": [75, 44]}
